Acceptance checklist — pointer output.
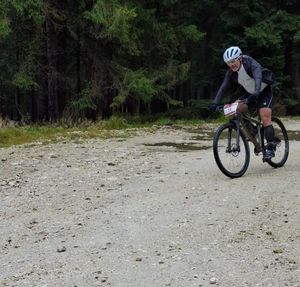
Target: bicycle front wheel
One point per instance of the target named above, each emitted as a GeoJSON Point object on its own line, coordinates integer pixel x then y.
{"type": "Point", "coordinates": [281, 144]}
{"type": "Point", "coordinates": [231, 151]}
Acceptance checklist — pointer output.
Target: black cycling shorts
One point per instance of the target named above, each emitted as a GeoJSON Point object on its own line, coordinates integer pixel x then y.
{"type": "Point", "coordinates": [265, 98]}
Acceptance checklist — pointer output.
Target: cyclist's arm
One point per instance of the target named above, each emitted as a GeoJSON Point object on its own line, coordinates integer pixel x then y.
{"type": "Point", "coordinates": [257, 75]}
{"type": "Point", "coordinates": [226, 85]}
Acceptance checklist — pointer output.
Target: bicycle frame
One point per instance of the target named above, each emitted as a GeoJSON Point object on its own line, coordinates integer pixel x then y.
{"type": "Point", "coordinates": [239, 121]}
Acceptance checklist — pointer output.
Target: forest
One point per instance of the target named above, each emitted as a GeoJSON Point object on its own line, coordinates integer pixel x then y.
{"type": "Point", "coordinates": [97, 58]}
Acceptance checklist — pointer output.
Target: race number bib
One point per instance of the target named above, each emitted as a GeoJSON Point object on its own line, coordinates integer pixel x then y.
{"type": "Point", "coordinates": [230, 109]}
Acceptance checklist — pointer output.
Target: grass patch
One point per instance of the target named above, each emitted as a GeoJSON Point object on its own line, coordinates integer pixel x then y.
{"type": "Point", "coordinates": [21, 135]}
{"type": "Point", "coordinates": [114, 127]}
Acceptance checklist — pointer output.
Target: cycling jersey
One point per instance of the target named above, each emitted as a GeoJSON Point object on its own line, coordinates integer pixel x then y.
{"type": "Point", "coordinates": [247, 82]}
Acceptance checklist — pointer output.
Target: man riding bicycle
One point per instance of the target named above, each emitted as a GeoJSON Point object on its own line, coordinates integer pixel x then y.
{"type": "Point", "coordinates": [256, 82]}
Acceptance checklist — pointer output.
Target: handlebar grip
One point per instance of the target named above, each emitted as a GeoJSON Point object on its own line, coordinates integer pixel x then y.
{"type": "Point", "coordinates": [219, 108]}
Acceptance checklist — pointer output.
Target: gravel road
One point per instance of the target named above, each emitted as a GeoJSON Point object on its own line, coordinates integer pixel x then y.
{"type": "Point", "coordinates": [149, 210]}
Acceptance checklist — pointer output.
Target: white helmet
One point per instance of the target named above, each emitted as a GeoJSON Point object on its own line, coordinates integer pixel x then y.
{"type": "Point", "coordinates": [231, 53]}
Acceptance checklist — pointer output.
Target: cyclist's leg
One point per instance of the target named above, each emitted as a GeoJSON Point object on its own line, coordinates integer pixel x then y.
{"type": "Point", "coordinates": [265, 112]}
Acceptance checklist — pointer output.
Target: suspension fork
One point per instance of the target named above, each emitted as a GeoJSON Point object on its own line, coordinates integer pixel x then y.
{"type": "Point", "coordinates": [236, 123]}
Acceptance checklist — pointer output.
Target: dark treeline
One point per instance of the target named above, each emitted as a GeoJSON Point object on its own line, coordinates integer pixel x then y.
{"type": "Point", "coordinates": [95, 58]}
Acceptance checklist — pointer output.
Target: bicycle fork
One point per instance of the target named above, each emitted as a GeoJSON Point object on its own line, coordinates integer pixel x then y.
{"type": "Point", "coordinates": [233, 147]}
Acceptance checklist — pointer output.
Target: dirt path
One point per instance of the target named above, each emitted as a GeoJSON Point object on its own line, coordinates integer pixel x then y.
{"type": "Point", "coordinates": [144, 212]}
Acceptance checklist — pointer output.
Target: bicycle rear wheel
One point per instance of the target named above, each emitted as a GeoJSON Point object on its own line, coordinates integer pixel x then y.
{"type": "Point", "coordinates": [232, 156]}
{"type": "Point", "coordinates": [281, 144]}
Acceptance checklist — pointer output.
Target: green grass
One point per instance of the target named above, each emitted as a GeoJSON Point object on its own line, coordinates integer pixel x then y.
{"type": "Point", "coordinates": [114, 127]}
{"type": "Point", "coordinates": [21, 135]}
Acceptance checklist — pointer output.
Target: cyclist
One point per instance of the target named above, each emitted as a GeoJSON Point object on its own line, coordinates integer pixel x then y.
{"type": "Point", "coordinates": [256, 82]}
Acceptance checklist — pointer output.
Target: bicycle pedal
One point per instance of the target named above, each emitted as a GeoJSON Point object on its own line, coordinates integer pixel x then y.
{"type": "Point", "coordinates": [267, 158]}
{"type": "Point", "coordinates": [257, 151]}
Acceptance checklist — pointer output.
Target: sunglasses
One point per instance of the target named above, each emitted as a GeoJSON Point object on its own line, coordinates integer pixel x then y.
{"type": "Point", "coordinates": [232, 61]}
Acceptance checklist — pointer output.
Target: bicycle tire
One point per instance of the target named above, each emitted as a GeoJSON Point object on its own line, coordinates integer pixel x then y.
{"type": "Point", "coordinates": [282, 147]}
{"type": "Point", "coordinates": [233, 163]}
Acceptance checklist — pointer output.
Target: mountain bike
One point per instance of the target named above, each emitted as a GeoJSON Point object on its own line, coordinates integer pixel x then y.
{"type": "Point", "coordinates": [231, 142]}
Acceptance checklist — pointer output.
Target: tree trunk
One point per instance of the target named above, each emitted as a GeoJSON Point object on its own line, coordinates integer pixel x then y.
{"type": "Point", "coordinates": [52, 81]}
{"type": "Point", "coordinates": [34, 106]}
{"type": "Point", "coordinates": [295, 69]}
{"type": "Point", "coordinates": [61, 71]}
{"type": "Point", "coordinates": [78, 60]}
{"type": "Point", "coordinates": [292, 66]}
{"type": "Point", "coordinates": [2, 102]}
{"type": "Point", "coordinates": [184, 94]}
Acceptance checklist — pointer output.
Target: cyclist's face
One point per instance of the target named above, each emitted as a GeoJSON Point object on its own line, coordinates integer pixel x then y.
{"type": "Point", "coordinates": [234, 64]}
